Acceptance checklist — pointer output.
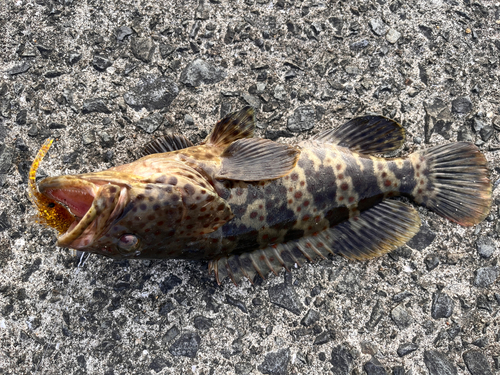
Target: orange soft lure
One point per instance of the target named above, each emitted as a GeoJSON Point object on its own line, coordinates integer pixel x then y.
{"type": "Point", "coordinates": [50, 212]}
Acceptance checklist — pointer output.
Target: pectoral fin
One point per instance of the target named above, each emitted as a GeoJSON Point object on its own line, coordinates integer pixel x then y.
{"type": "Point", "coordinates": [254, 159]}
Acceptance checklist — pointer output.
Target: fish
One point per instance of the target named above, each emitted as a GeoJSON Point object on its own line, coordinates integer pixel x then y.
{"type": "Point", "coordinates": [252, 206]}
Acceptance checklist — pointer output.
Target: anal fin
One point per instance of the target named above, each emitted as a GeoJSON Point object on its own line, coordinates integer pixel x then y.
{"type": "Point", "coordinates": [366, 135]}
{"type": "Point", "coordinates": [375, 232]}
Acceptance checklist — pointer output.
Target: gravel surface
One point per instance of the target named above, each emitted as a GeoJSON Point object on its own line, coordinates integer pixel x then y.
{"type": "Point", "coordinates": [104, 77]}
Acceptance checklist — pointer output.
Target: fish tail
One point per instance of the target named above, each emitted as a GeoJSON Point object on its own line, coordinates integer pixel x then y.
{"type": "Point", "coordinates": [453, 181]}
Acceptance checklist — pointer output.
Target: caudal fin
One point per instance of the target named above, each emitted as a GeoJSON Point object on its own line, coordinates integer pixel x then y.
{"type": "Point", "coordinates": [453, 181]}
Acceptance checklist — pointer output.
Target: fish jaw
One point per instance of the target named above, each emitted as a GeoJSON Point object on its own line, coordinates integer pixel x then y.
{"type": "Point", "coordinates": [94, 204]}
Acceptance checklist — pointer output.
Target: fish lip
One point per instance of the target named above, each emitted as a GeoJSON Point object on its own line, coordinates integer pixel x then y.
{"type": "Point", "coordinates": [88, 227]}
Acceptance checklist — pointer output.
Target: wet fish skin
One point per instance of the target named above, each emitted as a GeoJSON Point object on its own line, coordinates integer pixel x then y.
{"type": "Point", "coordinates": [252, 206]}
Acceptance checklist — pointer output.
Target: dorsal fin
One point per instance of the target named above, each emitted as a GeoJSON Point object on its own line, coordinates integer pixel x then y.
{"type": "Point", "coordinates": [374, 232]}
{"type": "Point", "coordinates": [254, 159]}
{"type": "Point", "coordinates": [234, 126]}
{"type": "Point", "coordinates": [166, 143]}
{"type": "Point", "coordinates": [367, 135]}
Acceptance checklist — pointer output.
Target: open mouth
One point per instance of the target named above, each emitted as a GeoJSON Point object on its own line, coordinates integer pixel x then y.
{"type": "Point", "coordinates": [90, 204]}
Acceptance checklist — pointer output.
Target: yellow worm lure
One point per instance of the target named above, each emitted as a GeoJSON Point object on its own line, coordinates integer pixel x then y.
{"type": "Point", "coordinates": [50, 212]}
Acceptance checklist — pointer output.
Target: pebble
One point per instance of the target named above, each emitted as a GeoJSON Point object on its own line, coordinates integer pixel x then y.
{"type": "Point", "coordinates": [200, 71]}
{"type": "Point", "coordinates": [378, 26]}
{"type": "Point", "coordinates": [392, 36]}
{"type": "Point", "coordinates": [431, 261]}
{"type": "Point", "coordinates": [461, 105]}
{"type": "Point", "coordinates": [485, 276]}
{"type": "Point", "coordinates": [94, 105]}
{"type": "Point", "coordinates": [477, 363]}
{"type": "Point", "coordinates": [158, 364]}
{"type": "Point", "coordinates": [202, 323]}
{"type": "Point", "coordinates": [21, 117]}
{"type": "Point", "coordinates": [152, 93]}
{"type": "Point", "coordinates": [442, 306]}
{"type": "Point", "coordinates": [485, 246]}
{"type": "Point", "coordinates": [322, 338]}
{"type": "Point", "coordinates": [143, 48]}
{"type": "Point", "coordinates": [284, 295]}
{"type": "Point", "coordinates": [276, 363]}
{"type": "Point", "coordinates": [422, 239]}
{"type": "Point", "coordinates": [122, 32]}
{"type": "Point", "coordinates": [378, 312]}
{"type": "Point", "coordinates": [101, 63]}
{"type": "Point", "coordinates": [186, 345]}
{"type": "Point", "coordinates": [170, 283]}
{"type": "Point", "coordinates": [341, 360]}
{"type": "Point", "coordinates": [6, 157]}
{"type": "Point", "coordinates": [374, 367]}
{"type": "Point", "coordinates": [359, 45]}
{"type": "Point", "coordinates": [280, 92]}
{"type": "Point", "coordinates": [19, 69]}
{"type": "Point", "coordinates": [401, 317]}
{"type": "Point", "coordinates": [236, 303]}
{"type": "Point", "coordinates": [243, 368]}
{"type": "Point", "coordinates": [302, 119]}
{"type": "Point", "coordinates": [438, 364]}
{"type": "Point", "coordinates": [311, 317]}
{"type": "Point", "coordinates": [171, 334]}
{"type": "Point", "coordinates": [406, 348]}
{"type": "Point", "coordinates": [486, 133]}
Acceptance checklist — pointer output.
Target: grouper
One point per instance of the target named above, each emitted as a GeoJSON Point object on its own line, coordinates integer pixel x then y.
{"type": "Point", "coordinates": [251, 206]}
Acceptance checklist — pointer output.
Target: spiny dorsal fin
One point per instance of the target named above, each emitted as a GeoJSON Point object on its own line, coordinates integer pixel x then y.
{"type": "Point", "coordinates": [234, 126]}
{"type": "Point", "coordinates": [375, 232]}
{"type": "Point", "coordinates": [166, 143]}
{"type": "Point", "coordinates": [254, 159]}
{"type": "Point", "coordinates": [367, 135]}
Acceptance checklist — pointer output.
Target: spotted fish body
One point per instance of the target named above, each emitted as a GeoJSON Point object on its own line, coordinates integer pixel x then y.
{"type": "Point", "coordinates": [251, 206]}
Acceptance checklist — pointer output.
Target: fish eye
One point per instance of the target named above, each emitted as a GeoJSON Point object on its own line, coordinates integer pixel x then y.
{"type": "Point", "coordinates": [128, 242]}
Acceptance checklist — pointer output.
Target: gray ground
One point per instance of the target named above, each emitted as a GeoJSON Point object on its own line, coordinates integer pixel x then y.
{"type": "Point", "coordinates": [102, 77]}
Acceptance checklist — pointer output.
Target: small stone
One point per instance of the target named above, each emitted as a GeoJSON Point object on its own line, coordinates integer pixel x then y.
{"type": "Point", "coordinates": [4, 221]}
{"type": "Point", "coordinates": [322, 338]}
{"type": "Point", "coordinates": [284, 295]}
{"type": "Point", "coordinates": [200, 71]}
{"type": "Point", "coordinates": [461, 105]}
{"type": "Point", "coordinates": [368, 347]}
{"type": "Point", "coordinates": [95, 105]}
{"type": "Point", "coordinates": [359, 45]}
{"type": "Point", "coordinates": [310, 318]}
{"type": "Point", "coordinates": [341, 360]}
{"type": "Point", "coordinates": [236, 303]}
{"type": "Point", "coordinates": [251, 100]}
{"type": "Point", "coordinates": [407, 348]}
{"type": "Point", "coordinates": [485, 246]}
{"type": "Point", "coordinates": [276, 363]}
{"type": "Point", "coordinates": [374, 367]}
{"type": "Point", "coordinates": [166, 50]}
{"type": "Point", "coordinates": [431, 261]}
{"type": "Point", "coordinates": [438, 364]}
{"type": "Point", "coordinates": [280, 92]}
{"type": "Point", "coordinates": [171, 334]}
{"type": "Point", "coordinates": [243, 368]}
{"type": "Point", "coordinates": [302, 119]}
{"type": "Point", "coordinates": [74, 57]}
{"type": "Point", "coordinates": [201, 322]}
{"type": "Point", "coordinates": [477, 363]}
{"type": "Point", "coordinates": [378, 26]}
{"type": "Point", "coordinates": [442, 306]}
{"type": "Point", "coordinates": [158, 364]}
{"type": "Point", "coordinates": [152, 93]}
{"type": "Point", "coordinates": [18, 69]}
{"type": "Point", "coordinates": [392, 36]}
{"type": "Point", "coordinates": [378, 312]}
{"type": "Point", "coordinates": [101, 63]}
{"type": "Point", "coordinates": [169, 283]}
{"type": "Point", "coordinates": [122, 32]}
{"type": "Point", "coordinates": [485, 276]}
{"type": "Point", "coordinates": [422, 239]}
{"type": "Point", "coordinates": [143, 48]}
{"type": "Point", "coordinates": [465, 134]}
{"type": "Point", "coordinates": [6, 156]}
{"type": "Point", "coordinates": [486, 133]}
{"type": "Point", "coordinates": [21, 117]}
{"type": "Point", "coordinates": [186, 345]}
{"type": "Point", "coordinates": [151, 123]}
{"type": "Point", "coordinates": [401, 317]}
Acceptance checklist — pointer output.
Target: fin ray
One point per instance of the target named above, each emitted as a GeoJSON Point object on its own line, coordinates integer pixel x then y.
{"type": "Point", "coordinates": [256, 159]}
{"type": "Point", "coordinates": [367, 135]}
{"type": "Point", "coordinates": [166, 143]}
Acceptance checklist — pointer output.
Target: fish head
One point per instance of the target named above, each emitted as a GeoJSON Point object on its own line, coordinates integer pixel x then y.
{"type": "Point", "coordinates": [120, 214]}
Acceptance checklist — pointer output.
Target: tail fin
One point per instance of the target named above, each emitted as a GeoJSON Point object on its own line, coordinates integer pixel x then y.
{"type": "Point", "coordinates": [453, 181]}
